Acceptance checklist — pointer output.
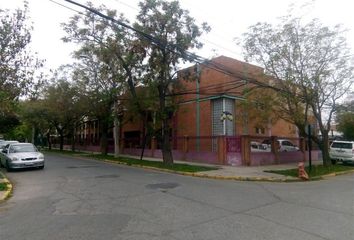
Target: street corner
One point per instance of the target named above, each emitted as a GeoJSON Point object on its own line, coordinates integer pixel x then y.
{"type": "Point", "coordinates": [249, 178]}
{"type": "Point", "coordinates": [5, 194]}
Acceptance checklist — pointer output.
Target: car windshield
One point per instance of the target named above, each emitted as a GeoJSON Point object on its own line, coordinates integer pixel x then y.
{"type": "Point", "coordinates": [23, 148]}
{"type": "Point", "coordinates": [342, 145]}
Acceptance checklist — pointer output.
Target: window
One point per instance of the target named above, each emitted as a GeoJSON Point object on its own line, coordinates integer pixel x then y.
{"type": "Point", "coordinates": [259, 130]}
{"type": "Point", "coordinates": [342, 145]}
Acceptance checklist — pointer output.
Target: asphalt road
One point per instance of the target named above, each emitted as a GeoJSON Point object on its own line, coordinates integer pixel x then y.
{"type": "Point", "coordinates": [84, 199]}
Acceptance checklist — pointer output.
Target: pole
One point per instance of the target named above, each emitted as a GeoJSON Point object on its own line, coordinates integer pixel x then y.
{"type": "Point", "coordinates": [310, 147]}
{"type": "Point", "coordinates": [198, 108]}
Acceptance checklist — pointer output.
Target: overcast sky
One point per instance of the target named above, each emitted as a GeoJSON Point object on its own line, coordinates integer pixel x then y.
{"type": "Point", "coordinates": [227, 18]}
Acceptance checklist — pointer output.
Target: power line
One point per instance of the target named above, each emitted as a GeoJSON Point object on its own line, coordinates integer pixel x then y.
{"type": "Point", "coordinates": [183, 53]}
{"type": "Point", "coordinates": [204, 39]}
{"type": "Point", "coordinates": [62, 5]}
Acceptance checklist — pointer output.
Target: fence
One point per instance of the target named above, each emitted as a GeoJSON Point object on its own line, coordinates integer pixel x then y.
{"type": "Point", "coordinates": [225, 150]}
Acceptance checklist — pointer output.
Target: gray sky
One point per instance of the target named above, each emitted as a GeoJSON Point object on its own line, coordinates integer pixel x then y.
{"type": "Point", "coordinates": [228, 19]}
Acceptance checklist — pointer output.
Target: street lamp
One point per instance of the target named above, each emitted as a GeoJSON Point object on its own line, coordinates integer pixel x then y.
{"type": "Point", "coordinates": [226, 115]}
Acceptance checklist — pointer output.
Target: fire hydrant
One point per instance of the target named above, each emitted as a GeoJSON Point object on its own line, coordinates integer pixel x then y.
{"type": "Point", "coordinates": [302, 173]}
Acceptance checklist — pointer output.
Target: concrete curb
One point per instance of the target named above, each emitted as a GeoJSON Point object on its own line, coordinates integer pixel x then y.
{"type": "Point", "coordinates": [8, 192]}
{"type": "Point", "coordinates": [235, 178]}
{"type": "Point", "coordinates": [205, 175]}
{"type": "Point", "coordinates": [337, 174]}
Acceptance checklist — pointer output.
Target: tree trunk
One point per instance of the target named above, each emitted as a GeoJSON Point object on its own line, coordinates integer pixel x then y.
{"type": "Point", "coordinates": [325, 150]}
{"type": "Point", "coordinates": [166, 145]}
{"type": "Point", "coordinates": [116, 131]}
{"type": "Point", "coordinates": [33, 134]}
{"type": "Point", "coordinates": [73, 140]}
{"type": "Point", "coordinates": [104, 137]}
{"type": "Point", "coordinates": [61, 140]}
{"type": "Point", "coordinates": [49, 141]}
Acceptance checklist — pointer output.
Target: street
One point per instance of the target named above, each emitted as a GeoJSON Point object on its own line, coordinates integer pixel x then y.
{"type": "Point", "coordinates": [85, 199]}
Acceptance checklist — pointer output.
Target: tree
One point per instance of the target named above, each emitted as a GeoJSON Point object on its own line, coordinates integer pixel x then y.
{"type": "Point", "coordinates": [345, 119]}
{"type": "Point", "coordinates": [33, 122]}
{"type": "Point", "coordinates": [162, 35]}
{"type": "Point", "coordinates": [311, 68]}
{"type": "Point", "coordinates": [346, 125]}
{"type": "Point", "coordinates": [63, 105]}
{"type": "Point", "coordinates": [110, 62]}
{"type": "Point", "coordinates": [173, 32]}
{"type": "Point", "coordinates": [17, 65]}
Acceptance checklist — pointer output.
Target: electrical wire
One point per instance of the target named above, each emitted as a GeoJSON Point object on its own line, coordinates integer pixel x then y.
{"type": "Point", "coordinates": [192, 57]}
{"type": "Point", "coordinates": [62, 5]}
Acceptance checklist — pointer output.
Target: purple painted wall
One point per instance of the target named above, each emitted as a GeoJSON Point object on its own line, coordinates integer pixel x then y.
{"type": "Point", "coordinates": [232, 158]}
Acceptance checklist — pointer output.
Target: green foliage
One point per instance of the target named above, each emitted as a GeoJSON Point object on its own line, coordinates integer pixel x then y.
{"type": "Point", "coordinates": [63, 106]}
{"type": "Point", "coordinates": [174, 33]}
{"type": "Point", "coordinates": [21, 133]}
{"type": "Point", "coordinates": [311, 68]}
{"type": "Point", "coordinates": [7, 123]}
{"type": "Point", "coordinates": [17, 65]}
{"type": "Point", "coordinates": [346, 125]}
{"type": "Point", "coordinates": [3, 186]}
{"type": "Point", "coordinates": [115, 62]}
{"type": "Point", "coordinates": [258, 107]}
{"type": "Point", "coordinates": [107, 59]}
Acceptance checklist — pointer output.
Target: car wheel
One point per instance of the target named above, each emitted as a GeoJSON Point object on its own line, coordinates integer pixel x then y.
{"type": "Point", "coordinates": [41, 167]}
{"type": "Point", "coordinates": [334, 161]}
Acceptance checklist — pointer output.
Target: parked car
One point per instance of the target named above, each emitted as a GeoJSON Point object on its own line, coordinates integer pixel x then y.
{"type": "Point", "coordinates": [257, 146]}
{"type": "Point", "coordinates": [342, 151]}
{"type": "Point", "coordinates": [21, 155]}
{"type": "Point", "coordinates": [285, 145]}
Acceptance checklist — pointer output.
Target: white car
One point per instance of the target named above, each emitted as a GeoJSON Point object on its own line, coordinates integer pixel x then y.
{"type": "Point", "coordinates": [257, 147]}
{"type": "Point", "coordinates": [21, 155]}
{"type": "Point", "coordinates": [342, 151]}
{"type": "Point", "coordinates": [4, 143]}
{"type": "Point", "coordinates": [285, 145]}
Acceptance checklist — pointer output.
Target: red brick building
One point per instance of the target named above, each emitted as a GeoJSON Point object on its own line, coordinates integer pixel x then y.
{"type": "Point", "coordinates": [218, 91]}
{"type": "Point", "coordinates": [211, 104]}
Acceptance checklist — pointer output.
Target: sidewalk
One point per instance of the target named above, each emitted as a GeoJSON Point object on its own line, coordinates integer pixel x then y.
{"type": "Point", "coordinates": [241, 173]}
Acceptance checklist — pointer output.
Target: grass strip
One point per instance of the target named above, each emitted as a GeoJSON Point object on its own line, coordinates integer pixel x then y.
{"type": "Point", "coordinates": [316, 170]}
{"type": "Point", "coordinates": [3, 186]}
{"type": "Point", "coordinates": [180, 167]}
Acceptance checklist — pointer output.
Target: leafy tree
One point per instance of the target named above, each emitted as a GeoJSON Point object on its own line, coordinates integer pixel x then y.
{"type": "Point", "coordinates": [21, 132]}
{"type": "Point", "coordinates": [346, 125]}
{"type": "Point", "coordinates": [34, 121]}
{"type": "Point", "coordinates": [345, 119]}
{"type": "Point", "coordinates": [311, 67]}
{"type": "Point", "coordinates": [63, 105]}
{"type": "Point", "coordinates": [257, 108]}
{"type": "Point", "coordinates": [164, 33]}
{"type": "Point", "coordinates": [8, 122]}
{"type": "Point", "coordinates": [17, 65]}
{"type": "Point", "coordinates": [109, 62]}
{"type": "Point", "coordinates": [174, 32]}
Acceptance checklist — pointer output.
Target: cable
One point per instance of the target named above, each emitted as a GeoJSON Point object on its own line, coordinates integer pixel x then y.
{"type": "Point", "coordinates": [204, 39]}
{"type": "Point", "coordinates": [62, 5]}
{"type": "Point", "coordinates": [183, 53]}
